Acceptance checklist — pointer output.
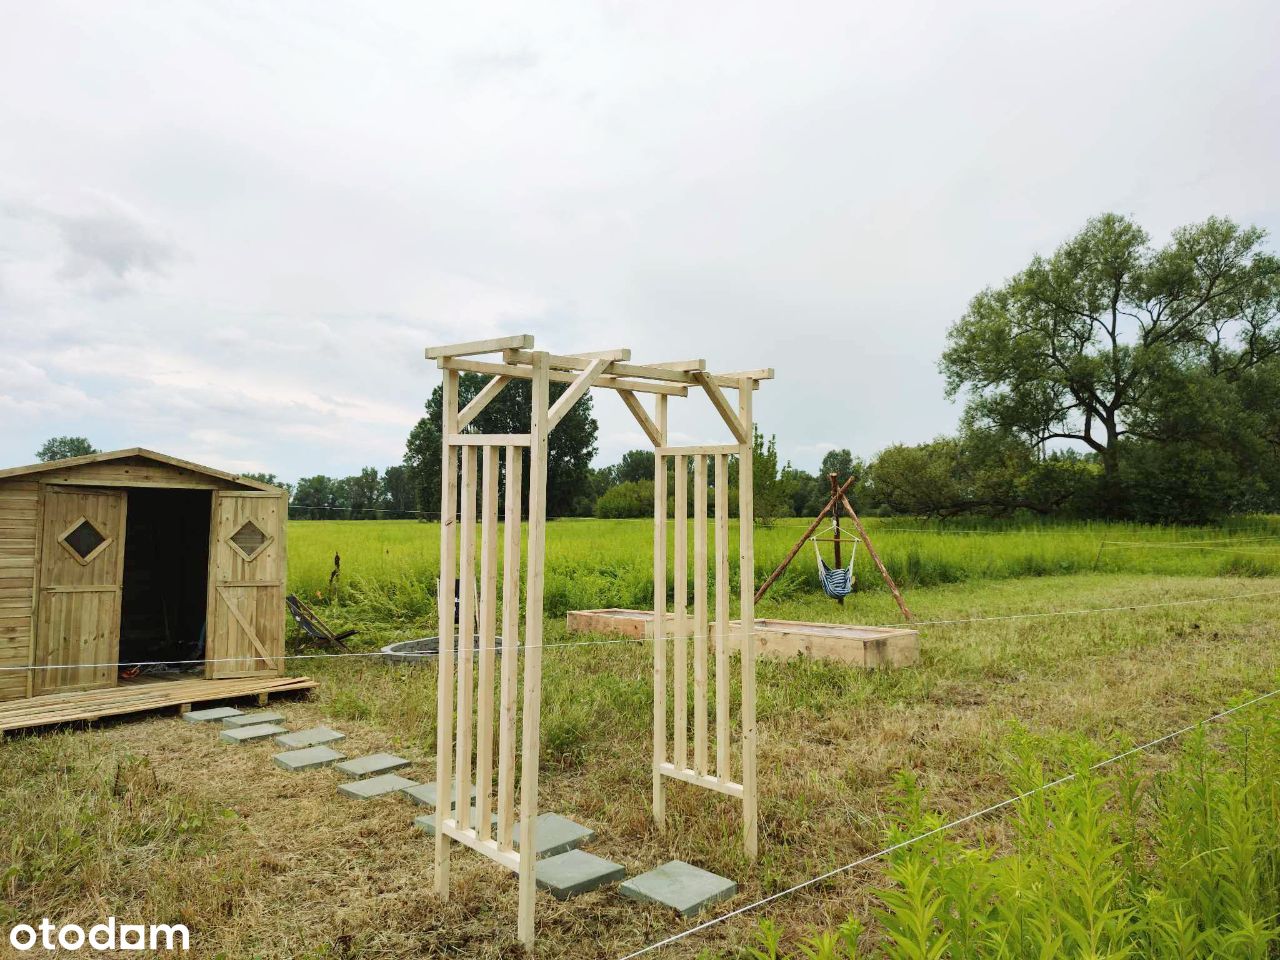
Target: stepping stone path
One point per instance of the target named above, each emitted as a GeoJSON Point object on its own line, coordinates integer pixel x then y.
{"type": "Point", "coordinates": [308, 738]}
{"type": "Point", "coordinates": [427, 822]}
{"type": "Point", "coordinates": [424, 794]}
{"type": "Point", "coordinates": [247, 734]}
{"type": "Point", "coordinates": [568, 874]}
{"type": "Point", "coordinates": [250, 719]}
{"type": "Point", "coordinates": [211, 714]}
{"type": "Point", "coordinates": [681, 886]}
{"type": "Point", "coordinates": [375, 786]}
{"type": "Point", "coordinates": [308, 758]}
{"type": "Point", "coordinates": [373, 763]}
{"type": "Point", "coordinates": [554, 834]}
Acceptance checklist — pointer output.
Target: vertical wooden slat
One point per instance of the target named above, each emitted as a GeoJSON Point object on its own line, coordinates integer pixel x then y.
{"type": "Point", "coordinates": [680, 681]}
{"type": "Point", "coordinates": [700, 613]}
{"type": "Point", "coordinates": [723, 769]}
{"type": "Point", "coordinates": [466, 638]}
{"type": "Point", "coordinates": [447, 630]}
{"type": "Point", "coordinates": [488, 637]}
{"type": "Point", "coordinates": [510, 637]}
{"type": "Point", "coordinates": [660, 619]}
{"type": "Point", "coordinates": [531, 733]}
{"type": "Point", "coordinates": [747, 614]}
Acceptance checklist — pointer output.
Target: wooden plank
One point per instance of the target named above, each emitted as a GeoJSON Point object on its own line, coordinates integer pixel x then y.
{"type": "Point", "coordinates": [489, 439]}
{"type": "Point", "coordinates": [469, 838]}
{"type": "Point", "coordinates": [620, 354]}
{"type": "Point", "coordinates": [472, 347]}
{"type": "Point", "coordinates": [696, 450]}
{"type": "Point", "coordinates": [723, 407]}
{"type": "Point", "coordinates": [510, 634]}
{"type": "Point", "coordinates": [702, 780]}
{"type": "Point", "coordinates": [747, 616]}
{"type": "Point", "coordinates": [700, 624]}
{"type": "Point", "coordinates": [481, 400]}
{"type": "Point", "coordinates": [576, 389]}
{"type": "Point", "coordinates": [531, 735]}
{"type": "Point", "coordinates": [680, 364]}
{"type": "Point", "coordinates": [642, 417]}
{"type": "Point", "coordinates": [763, 373]}
{"type": "Point", "coordinates": [488, 638]}
{"type": "Point", "coordinates": [466, 643]}
{"type": "Point", "coordinates": [660, 623]}
{"type": "Point", "coordinates": [447, 630]}
{"type": "Point", "coordinates": [635, 370]}
{"type": "Point", "coordinates": [524, 372]}
{"type": "Point", "coordinates": [680, 680]}
{"type": "Point", "coordinates": [722, 617]}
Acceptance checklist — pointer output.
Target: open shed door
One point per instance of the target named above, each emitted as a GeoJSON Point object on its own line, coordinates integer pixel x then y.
{"type": "Point", "coordinates": [81, 572]}
{"type": "Point", "coordinates": [245, 635]}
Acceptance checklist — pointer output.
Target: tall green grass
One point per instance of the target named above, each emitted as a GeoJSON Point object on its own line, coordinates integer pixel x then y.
{"type": "Point", "coordinates": [1179, 863]}
{"type": "Point", "coordinates": [389, 568]}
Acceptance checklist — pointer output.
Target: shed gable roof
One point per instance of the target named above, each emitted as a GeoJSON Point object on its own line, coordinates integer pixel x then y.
{"type": "Point", "coordinates": [72, 462]}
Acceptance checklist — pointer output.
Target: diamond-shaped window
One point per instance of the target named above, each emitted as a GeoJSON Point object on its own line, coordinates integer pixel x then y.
{"type": "Point", "coordinates": [84, 540]}
{"type": "Point", "coordinates": [249, 540]}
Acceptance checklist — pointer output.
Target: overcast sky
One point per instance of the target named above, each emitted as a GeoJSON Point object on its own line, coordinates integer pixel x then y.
{"type": "Point", "coordinates": [228, 230]}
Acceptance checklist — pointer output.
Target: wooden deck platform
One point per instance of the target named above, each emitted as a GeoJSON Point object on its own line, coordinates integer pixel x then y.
{"type": "Point", "coordinates": [136, 696]}
{"type": "Point", "coordinates": [856, 645]}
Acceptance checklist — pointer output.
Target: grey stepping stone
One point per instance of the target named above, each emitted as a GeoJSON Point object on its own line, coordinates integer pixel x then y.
{"type": "Point", "coordinates": [424, 794]}
{"type": "Point", "coordinates": [249, 719]}
{"type": "Point", "coordinates": [427, 822]}
{"type": "Point", "coordinates": [373, 763]}
{"type": "Point", "coordinates": [213, 713]}
{"type": "Point", "coordinates": [681, 886]}
{"type": "Point", "coordinates": [246, 734]}
{"type": "Point", "coordinates": [308, 758]}
{"type": "Point", "coordinates": [312, 737]}
{"type": "Point", "coordinates": [569, 874]}
{"type": "Point", "coordinates": [554, 834]}
{"type": "Point", "coordinates": [374, 786]}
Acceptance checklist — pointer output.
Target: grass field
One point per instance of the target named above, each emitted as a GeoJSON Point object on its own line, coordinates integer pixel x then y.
{"type": "Point", "coordinates": [153, 819]}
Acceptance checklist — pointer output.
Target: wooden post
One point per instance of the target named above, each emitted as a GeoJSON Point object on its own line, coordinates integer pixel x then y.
{"type": "Point", "coordinates": [723, 770]}
{"type": "Point", "coordinates": [531, 734]}
{"type": "Point", "coordinates": [466, 640]}
{"type": "Point", "coordinates": [447, 628]}
{"type": "Point", "coordinates": [510, 655]}
{"type": "Point", "coordinates": [700, 624]}
{"type": "Point", "coordinates": [747, 612]}
{"type": "Point", "coordinates": [680, 682]}
{"type": "Point", "coordinates": [660, 620]}
{"type": "Point", "coordinates": [862, 532]}
{"type": "Point", "coordinates": [488, 638]}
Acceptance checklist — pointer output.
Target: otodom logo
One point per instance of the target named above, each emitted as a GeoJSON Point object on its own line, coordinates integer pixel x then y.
{"type": "Point", "coordinates": [108, 935]}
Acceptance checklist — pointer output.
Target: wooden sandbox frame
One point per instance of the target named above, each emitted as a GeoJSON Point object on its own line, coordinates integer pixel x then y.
{"type": "Point", "coordinates": [465, 716]}
{"type": "Point", "coordinates": [868, 647]}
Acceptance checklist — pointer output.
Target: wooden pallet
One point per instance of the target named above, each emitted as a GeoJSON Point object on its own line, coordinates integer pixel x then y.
{"type": "Point", "coordinates": [867, 647]}
{"type": "Point", "coordinates": [136, 696]}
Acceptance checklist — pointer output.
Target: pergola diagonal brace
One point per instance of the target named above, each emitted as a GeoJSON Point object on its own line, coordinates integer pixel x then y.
{"type": "Point", "coordinates": [481, 400]}
{"type": "Point", "coordinates": [576, 389]}
{"type": "Point", "coordinates": [723, 407]}
{"type": "Point", "coordinates": [642, 417]}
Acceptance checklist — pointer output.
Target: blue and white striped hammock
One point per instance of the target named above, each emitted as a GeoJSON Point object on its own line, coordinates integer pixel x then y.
{"type": "Point", "coordinates": [837, 583]}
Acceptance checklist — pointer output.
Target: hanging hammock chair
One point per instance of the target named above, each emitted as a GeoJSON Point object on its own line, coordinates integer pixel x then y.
{"type": "Point", "coordinates": [838, 583]}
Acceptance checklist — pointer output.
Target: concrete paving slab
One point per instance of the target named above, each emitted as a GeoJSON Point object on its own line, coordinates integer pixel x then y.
{"type": "Point", "coordinates": [373, 763]}
{"type": "Point", "coordinates": [568, 874]}
{"type": "Point", "coordinates": [312, 737]}
{"type": "Point", "coordinates": [308, 758]}
{"type": "Point", "coordinates": [209, 715]}
{"type": "Point", "coordinates": [681, 886]}
{"type": "Point", "coordinates": [424, 794]}
{"type": "Point", "coordinates": [247, 734]}
{"type": "Point", "coordinates": [249, 719]}
{"type": "Point", "coordinates": [554, 834]}
{"type": "Point", "coordinates": [427, 822]}
{"type": "Point", "coordinates": [374, 786]}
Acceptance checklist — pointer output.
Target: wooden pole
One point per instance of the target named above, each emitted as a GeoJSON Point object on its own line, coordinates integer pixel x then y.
{"type": "Point", "coordinates": [747, 614]}
{"type": "Point", "coordinates": [799, 544]}
{"type": "Point", "coordinates": [660, 619]}
{"type": "Point", "coordinates": [862, 532]}
{"type": "Point", "coordinates": [447, 628]}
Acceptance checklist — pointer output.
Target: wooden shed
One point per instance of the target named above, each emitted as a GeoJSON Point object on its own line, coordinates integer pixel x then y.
{"type": "Point", "coordinates": [117, 558]}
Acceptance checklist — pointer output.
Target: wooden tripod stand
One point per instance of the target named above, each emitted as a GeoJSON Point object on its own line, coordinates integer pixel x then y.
{"type": "Point", "coordinates": [837, 506]}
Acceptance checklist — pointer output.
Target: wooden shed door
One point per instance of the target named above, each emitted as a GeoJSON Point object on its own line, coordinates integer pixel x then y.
{"type": "Point", "coordinates": [81, 571]}
{"type": "Point", "coordinates": [246, 586]}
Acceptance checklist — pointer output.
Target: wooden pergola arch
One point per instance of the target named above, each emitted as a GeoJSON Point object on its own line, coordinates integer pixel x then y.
{"type": "Point", "coordinates": [465, 717]}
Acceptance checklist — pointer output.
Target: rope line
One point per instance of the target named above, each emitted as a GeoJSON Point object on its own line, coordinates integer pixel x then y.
{"type": "Point", "coordinates": [694, 636]}
{"type": "Point", "coordinates": [977, 814]}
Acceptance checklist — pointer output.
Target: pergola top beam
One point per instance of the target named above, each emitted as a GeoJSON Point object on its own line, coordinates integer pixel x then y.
{"type": "Point", "coordinates": [525, 372]}
{"type": "Point", "coordinates": [523, 341]}
{"type": "Point", "coordinates": [640, 371]}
